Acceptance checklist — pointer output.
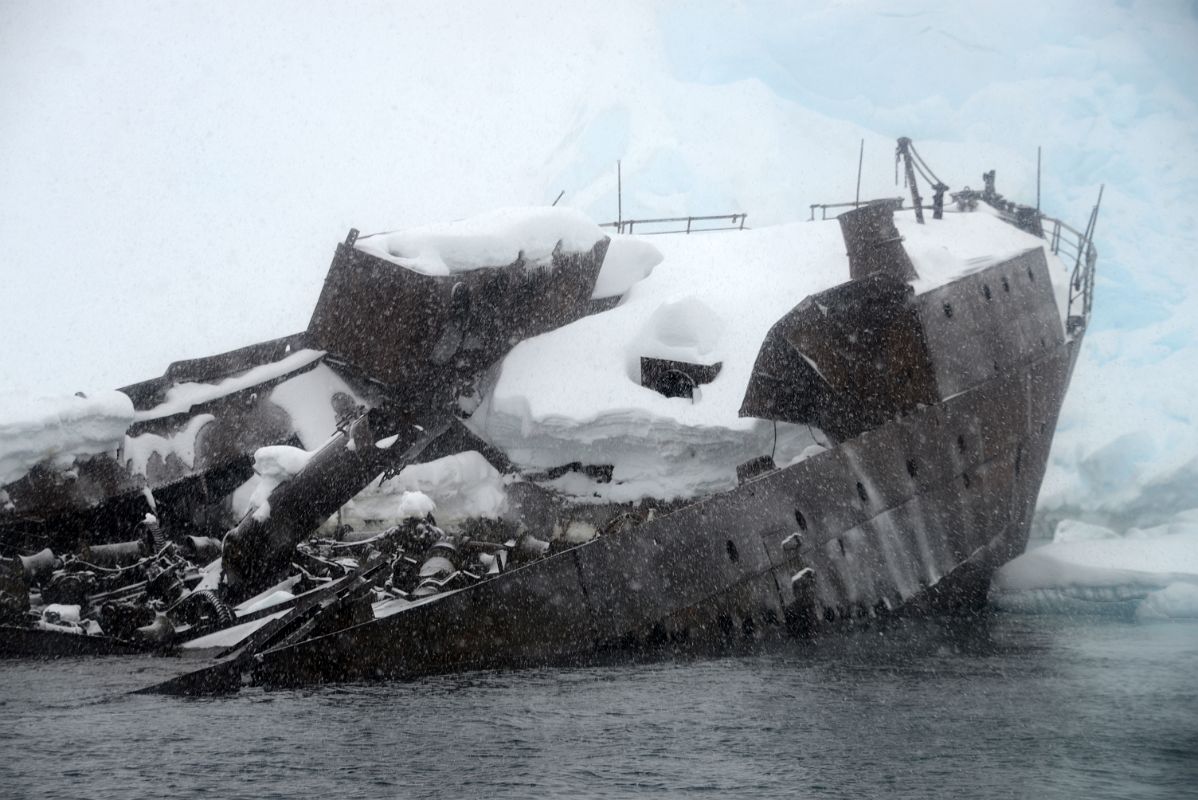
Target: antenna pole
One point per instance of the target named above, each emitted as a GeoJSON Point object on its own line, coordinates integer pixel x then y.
{"type": "Point", "coordinates": [860, 159]}
{"type": "Point", "coordinates": [1037, 178]}
{"type": "Point", "coordinates": [619, 198]}
{"type": "Point", "coordinates": [559, 197]}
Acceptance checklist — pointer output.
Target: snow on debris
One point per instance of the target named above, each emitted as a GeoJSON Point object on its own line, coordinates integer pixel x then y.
{"type": "Point", "coordinates": [628, 260]}
{"type": "Point", "coordinates": [231, 636]}
{"type": "Point", "coordinates": [138, 450]}
{"type": "Point", "coordinates": [309, 399]}
{"type": "Point", "coordinates": [274, 465]}
{"type": "Point", "coordinates": [181, 397]}
{"type": "Point", "coordinates": [1145, 573]}
{"type": "Point", "coordinates": [458, 486]}
{"type": "Point", "coordinates": [415, 505]}
{"type": "Point", "coordinates": [494, 239]}
{"type": "Point", "coordinates": [57, 430]}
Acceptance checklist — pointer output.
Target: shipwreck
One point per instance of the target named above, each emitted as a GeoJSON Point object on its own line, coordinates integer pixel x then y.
{"type": "Point", "coordinates": [868, 439]}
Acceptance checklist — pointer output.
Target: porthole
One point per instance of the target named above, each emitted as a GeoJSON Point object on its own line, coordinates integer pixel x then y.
{"type": "Point", "coordinates": [862, 493]}
{"type": "Point", "coordinates": [961, 443]}
{"type": "Point", "coordinates": [1031, 276]}
{"type": "Point", "coordinates": [829, 614]}
{"type": "Point", "coordinates": [733, 555]}
{"type": "Point", "coordinates": [1006, 285]}
{"type": "Point", "coordinates": [840, 542]}
{"type": "Point", "coordinates": [986, 290]}
{"type": "Point", "coordinates": [911, 467]}
{"type": "Point", "coordinates": [801, 520]}
{"type": "Point", "coordinates": [965, 479]}
{"type": "Point", "coordinates": [948, 310]}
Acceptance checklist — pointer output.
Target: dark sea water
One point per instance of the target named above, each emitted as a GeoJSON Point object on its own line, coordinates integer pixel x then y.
{"type": "Point", "coordinates": [1012, 706]}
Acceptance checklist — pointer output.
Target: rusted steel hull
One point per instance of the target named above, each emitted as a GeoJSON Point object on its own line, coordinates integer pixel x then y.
{"type": "Point", "coordinates": [913, 513]}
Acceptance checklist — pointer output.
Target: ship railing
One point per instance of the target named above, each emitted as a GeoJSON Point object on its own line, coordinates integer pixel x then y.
{"type": "Point", "coordinates": [735, 222]}
{"type": "Point", "coordinates": [1070, 244]}
{"type": "Point", "coordinates": [823, 207]}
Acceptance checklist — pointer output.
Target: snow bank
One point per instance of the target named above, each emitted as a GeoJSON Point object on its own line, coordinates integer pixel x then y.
{"type": "Point", "coordinates": [574, 394]}
{"type": "Point", "coordinates": [494, 239]}
{"type": "Point", "coordinates": [57, 430]}
{"type": "Point", "coordinates": [628, 260]}
{"type": "Point", "coordinates": [456, 487]}
{"type": "Point", "coordinates": [1089, 569]}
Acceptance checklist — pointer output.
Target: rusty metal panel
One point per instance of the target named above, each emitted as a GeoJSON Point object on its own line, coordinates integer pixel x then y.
{"type": "Point", "coordinates": [425, 335]}
{"type": "Point", "coordinates": [873, 242]}
{"type": "Point", "coordinates": [846, 359]}
{"type": "Point", "coordinates": [674, 562]}
{"type": "Point", "coordinates": [984, 324]}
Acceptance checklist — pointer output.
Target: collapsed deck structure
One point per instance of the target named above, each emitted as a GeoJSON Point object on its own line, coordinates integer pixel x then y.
{"type": "Point", "coordinates": [912, 400]}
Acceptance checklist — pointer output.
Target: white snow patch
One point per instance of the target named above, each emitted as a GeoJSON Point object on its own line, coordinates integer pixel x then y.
{"type": "Point", "coordinates": [629, 259]}
{"type": "Point", "coordinates": [138, 450]}
{"type": "Point", "coordinates": [209, 576]}
{"type": "Point", "coordinates": [274, 465]}
{"type": "Point", "coordinates": [460, 486]}
{"type": "Point", "coordinates": [272, 599]}
{"type": "Point", "coordinates": [308, 398]}
{"type": "Point", "coordinates": [415, 504]}
{"type": "Point", "coordinates": [494, 239]}
{"type": "Point", "coordinates": [231, 636]}
{"type": "Point", "coordinates": [57, 430]}
{"type": "Point", "coordinates": [182, 396]}
{"type": "Point", "coordinates": [56, 612]}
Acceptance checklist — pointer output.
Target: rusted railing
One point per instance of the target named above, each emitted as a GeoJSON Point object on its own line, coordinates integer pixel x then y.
{"type": "Point", "coordinates": [735, 222]}
{"type": "Point", "coordinates": [823, 207]}
{"type": "Point", "coordinates": [1070, 244]}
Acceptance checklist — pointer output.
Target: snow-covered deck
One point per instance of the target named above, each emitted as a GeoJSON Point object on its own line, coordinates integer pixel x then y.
{"type": "Point", "coordinates": [574, 394]}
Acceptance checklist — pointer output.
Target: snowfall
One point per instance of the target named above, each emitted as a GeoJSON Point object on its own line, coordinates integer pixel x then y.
{"type": "Point", "coordinates": [172, 186]}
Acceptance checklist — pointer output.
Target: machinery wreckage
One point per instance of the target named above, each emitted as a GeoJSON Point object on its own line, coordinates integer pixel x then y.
{"type": "Point", "coordinates": [938, 405]}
